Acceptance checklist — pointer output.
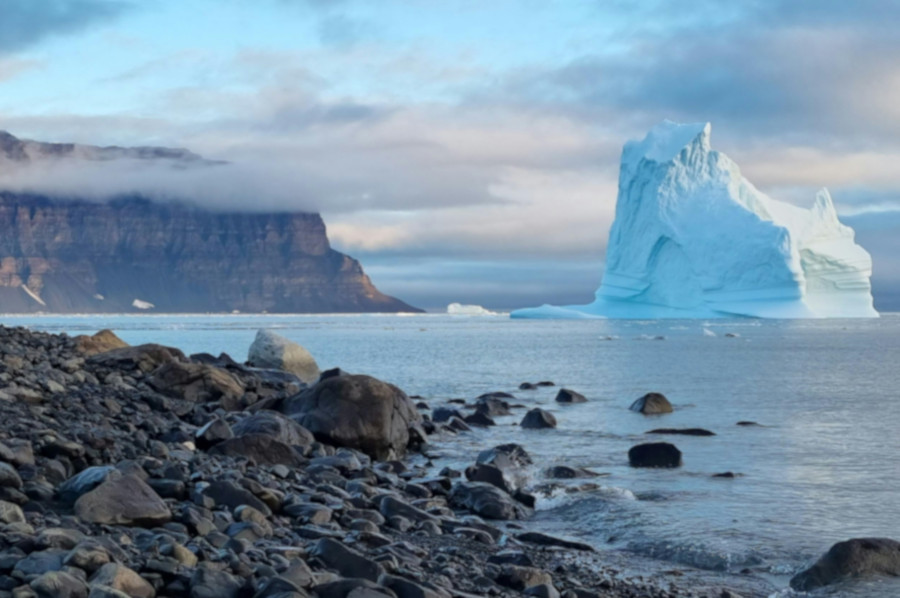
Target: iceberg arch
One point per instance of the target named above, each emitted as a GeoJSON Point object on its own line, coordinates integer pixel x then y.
{"type": "Point", "coordinates": [692, 238]}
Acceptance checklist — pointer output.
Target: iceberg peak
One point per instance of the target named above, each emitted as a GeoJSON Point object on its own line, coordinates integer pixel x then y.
{"type": "Point", "coordinates": [666, 140]}
{"type": "Point", "coordinates": [693, 238]}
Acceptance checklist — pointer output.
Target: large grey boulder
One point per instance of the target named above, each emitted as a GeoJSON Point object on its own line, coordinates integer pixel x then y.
{"type": "Point", "coordinates": [198, 383]}
{"type": "Point", "coordinates": [358, 412]}
{"type": "Point", "coordinates": [270, 350]}
{"type": "Point", "coordinates": [859, 557]}
{"type": "Point", "coordinates": [652, 403]}
{"type": "Point", "coordinates": [123, 500]}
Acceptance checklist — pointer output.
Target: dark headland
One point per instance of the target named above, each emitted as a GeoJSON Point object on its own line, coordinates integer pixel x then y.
{"type": "Point", "coordinates": [64, 254]}
{"type": "Point", "coordinates": [139, 471]}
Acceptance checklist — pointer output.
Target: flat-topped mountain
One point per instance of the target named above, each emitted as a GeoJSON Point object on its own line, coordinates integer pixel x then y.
{"type": "Point", "coordinates": [132, 254]}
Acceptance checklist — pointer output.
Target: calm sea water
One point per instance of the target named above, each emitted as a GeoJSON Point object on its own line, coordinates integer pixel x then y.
{"type": "Point", "coordinates": [823, 465]}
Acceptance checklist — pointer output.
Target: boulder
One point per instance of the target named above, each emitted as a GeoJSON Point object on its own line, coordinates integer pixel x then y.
{"type": "Point", "coordinates": [519, 578]}
{"type": "Point", "coordinates": [270, 350]}
{"type": "Point", "coordinates": [487, 501]}
{"type": "Point", "coordinates": [481, 472]}
{"type": "Point", "coordinates": [856, 558]}
{"type": "Point", "coordinates": [569, 397]}
{"type": "Point", "coordinates": [493, 404]}
{"type": "Point", "coordinates": [198, 383]}
{"type": "Point", "coordinates": [479, 419]}
{"type": "Point", "coordinates": [346, 561]}
{"type": "Point", "coordinates": [358, 412]}
{"type": "Point", "coordinates": [505, 456]}
{"type": "Point", "coordinates": [210, 582]}
{"type": "Point", "coordinates": [228, 494]}
{"type": "Point", "coordinates": [275, 425]}
{"type": "Point", "coordinates": [83, 482]}
{"type": "Point", "coordinates": [654, 454]}
{"type": "Point", "coordinates": [538, 419]}
{"type": "Point", "coordinates": [442, 414]}
{"type": "Point", "coordinates": [145, 358]}
{"type": "Point", "coordinates": [103, 341]}
{"type": "Point", "coordinates": [59, 584]}
{"type": "Point", "coordinates": [213, 432]}
{"type": "Point", "coordinates": [547, 540]}
{"type": "Point", "coordinates": [564, 472]}
{"type": "Point", "coordinates": [123, 500]}
{"type": "Point", "coordinates": [652, 403]}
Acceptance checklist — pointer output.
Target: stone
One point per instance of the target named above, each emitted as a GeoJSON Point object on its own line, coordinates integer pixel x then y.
{"type": "Point", "coordinates": [262, 450]}
{"type": "Point", "coordinates": [519, 578]}
{"type": "Point", "coordinates": [98, 591]}
{"type": "Point", "coordinates": [59, 584]}
{"type": "Point", "coordinates": [230, 495]}
{"type": "Point", "coordinates": [145, 358]}
{"type": "Point", "coordinates": [9, 477]}
{"type": "Point", "coordinates": [83, 482]}
{"type": "Point", "coordinates": [564, 472]}
{"type": "Point", "coordinates": [213, 432]}
{"type": "Point", "coordinates": [547, 540]}
{"type": "Point", "coordinates": [481, 472]}
{"type": "Point", "coordinates": [486, 500]}
{"type": "Point", "coordinates": [271, 350]}
{"type": "Point", "coordinates": [392, 507]}
{"type": "Point", "coordinates": [493, 405]}
{"type": "Point", "coordinates": [274, 424]}
{"type": "Point", "coordinates": [538, 419]}
{"type": "Point", "coordinates": [567, 396]}
{"type": "Point", "coordinates": [480, 419]}
{"type": "Point", "coordinates": [101, 342]}
{"type": "Point", "coordinates": [11, 513]}
{"type": "Point", "coordinates": [855, 558]}
{"type": "Point", "coordinates": [40, 562]}
{"type": "Point", "coordinates": [404, 588]}
{"type": "Point", "coordinates": [197, 383]}
{"type": "Point", "coordinates": [654, 454]}
{"type": "Point", "coordinates": [208, 582]}
{"type": "Point", "coordinates": [358, 412]}
{"type": "Point", "coordinates": [88, 555]}
{"type": "Point", "coordinates": [352, 588]}
{"type": "Point", "coordinates": [124, 500]}
{"type": "Point", "coordinates": [652, 403]}
{"type": "Point", "coordinates": [443, 414]}
{"type": "Point", "coordinates": [346, 561]}
{"type": "Point", "coordinates": [544, 590]}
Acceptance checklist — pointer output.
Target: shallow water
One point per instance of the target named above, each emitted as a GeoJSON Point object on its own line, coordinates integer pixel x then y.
{"type": "Point", "coordinates": [821, 468]}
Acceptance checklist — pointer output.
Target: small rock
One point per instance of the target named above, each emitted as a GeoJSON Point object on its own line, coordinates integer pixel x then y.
{"type": "Point", "coordinates": [537, 419]}
{"type": "Point", "coordinates": [654, 454]}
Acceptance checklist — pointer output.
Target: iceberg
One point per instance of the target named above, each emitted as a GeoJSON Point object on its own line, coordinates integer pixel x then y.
{"type": "Point", "coordinates": [692, 238]}
{"type": "Point", "coordinates": [459, 309]}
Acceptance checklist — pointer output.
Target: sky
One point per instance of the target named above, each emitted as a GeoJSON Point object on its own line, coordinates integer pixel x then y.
{"type": "Point", "coordinates": [466, 150]}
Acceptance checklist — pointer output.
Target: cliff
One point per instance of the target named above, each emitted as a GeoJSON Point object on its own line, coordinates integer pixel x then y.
{"type": "Point", "coordinates": [72, 255]}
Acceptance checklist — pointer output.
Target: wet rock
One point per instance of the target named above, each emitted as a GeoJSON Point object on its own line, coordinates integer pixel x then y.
{"type": "Point", "coordinates": [486, 500]}
{"type": "Point", "coordinates": [125, 500]}
{"type": "Point", "coordinates": [405, 588]}
{"type": "Point", "coordinates": [546, 540]}
{"type": "Point", "coordinates": [683, 431]}
{"type": "Point", "coordinates": [856, 558]}
{"type": "Point", "coordinates": [544, 590]}
{"type": "Point", "coordinates": [652, 403]}
{"type": "Point", "coordinates": [442, 414]}
{"type": "Point", "coordinates": [271, 350]}
{"type": "Point", "coordinates": [654, 454]}
{"type": "Point", "coordinates": [358, 412]}
{"type": "Point", "coordinates": [506, 456]}
{"type": "Point", "coordinates": [538, 419]}
{"type": "Point", "coordinates": [481, 472]}
{"type": "Point", "coordinates": [567, 396]}
{"type": "Point", "coordinates": [346, 561]}
{"type": "Point", "coordinates": [9, 478]}
{"type": "Point", "coordinates": [40, 562]}
{"type": "Point", "coordinates": [511, 557]}
{"type": "Point", "coordinates": [479, 419]}
{"type": "Point", "coordinates": [564, 472]}
{"type": "Point", "coordinates": [88, 555]}
{"type": "Point", "coordinates": [352, 588]}
{"type": "Point", "coordinates": [527, 386]}
{"type": "Point", "coordinates": [493, 404]}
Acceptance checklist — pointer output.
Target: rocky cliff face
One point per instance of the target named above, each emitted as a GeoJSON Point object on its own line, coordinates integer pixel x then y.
{"type": "Point", "coordinates": [130, 253]}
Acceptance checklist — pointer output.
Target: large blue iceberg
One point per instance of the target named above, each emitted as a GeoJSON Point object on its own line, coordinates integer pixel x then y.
{"type": "Point", "coordinates": [692, 238]}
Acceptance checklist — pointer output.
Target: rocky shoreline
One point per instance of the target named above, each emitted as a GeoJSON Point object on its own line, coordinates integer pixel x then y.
{"type": "Point", "coordinates": [139, 471]}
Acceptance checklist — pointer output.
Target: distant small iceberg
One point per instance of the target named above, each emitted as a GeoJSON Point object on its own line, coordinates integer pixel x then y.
{"type": "Point", "coordinates": [459, 309]}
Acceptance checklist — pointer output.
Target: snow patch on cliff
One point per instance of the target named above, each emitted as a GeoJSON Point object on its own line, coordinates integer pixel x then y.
{"type": "Point", "coordinates": [459, 309]}
{"type": "Point", "coordinates": [692, 238]}
{"type": "Point", "coordinates": [139, 304]}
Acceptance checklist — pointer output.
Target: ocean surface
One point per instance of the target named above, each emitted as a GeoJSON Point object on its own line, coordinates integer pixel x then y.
{"type": "Point", "coordinates": [822, 466]}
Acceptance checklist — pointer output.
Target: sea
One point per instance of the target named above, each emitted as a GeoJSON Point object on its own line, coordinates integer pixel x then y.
{"type": "Point", "coordinates": [821, 466]}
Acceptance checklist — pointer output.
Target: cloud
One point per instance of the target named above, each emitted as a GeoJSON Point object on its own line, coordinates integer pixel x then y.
{"type": "Point", "coordinates": [24, 23]}
{"type": "Point", "coordinates": [12, 67]}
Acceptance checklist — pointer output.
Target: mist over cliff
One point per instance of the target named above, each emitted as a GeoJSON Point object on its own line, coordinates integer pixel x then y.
{"type": "Point", "coordinates": [62, 253]}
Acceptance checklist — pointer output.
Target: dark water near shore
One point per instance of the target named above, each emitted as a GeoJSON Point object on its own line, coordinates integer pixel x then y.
{"type": "Point", "coordinates": [822, 467]}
